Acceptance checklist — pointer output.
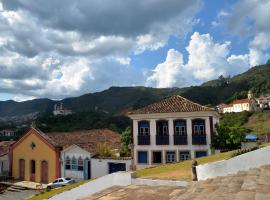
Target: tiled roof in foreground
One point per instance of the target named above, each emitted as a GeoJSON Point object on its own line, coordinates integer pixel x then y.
{"type": "Point", "coordinates": [171, 105]}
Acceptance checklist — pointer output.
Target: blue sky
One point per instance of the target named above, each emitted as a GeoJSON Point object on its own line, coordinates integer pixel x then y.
{"type": "Point", "coordinates": [57, 49]}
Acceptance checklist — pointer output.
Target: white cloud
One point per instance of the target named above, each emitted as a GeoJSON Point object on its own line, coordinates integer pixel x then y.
{"type": "Point", "coordinates": [250, 18]}
{"type": "Point", "coordinates": [169, 73]}
{"type": "Point", "coordinates": [206, 61]}
{"type": "Point", "coordinates": [64, 48]}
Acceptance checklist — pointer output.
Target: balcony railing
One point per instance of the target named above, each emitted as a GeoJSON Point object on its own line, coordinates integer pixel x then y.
{"type": "Point", "coordinates": [143, 139]}
{"type": "Point", "coordinates": [199, 139]}
{"type": "Point", "coordinates": [180, 139]}
{"type": "Point", "coordinates": [162, 140]}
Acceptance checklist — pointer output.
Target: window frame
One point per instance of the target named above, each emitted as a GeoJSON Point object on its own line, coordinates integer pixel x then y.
{"type": "Point", "coordinates": [138, 157]}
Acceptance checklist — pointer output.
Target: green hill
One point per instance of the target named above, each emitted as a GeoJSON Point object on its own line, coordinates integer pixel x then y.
{"type": "Point", "coordinates": [117, 101]}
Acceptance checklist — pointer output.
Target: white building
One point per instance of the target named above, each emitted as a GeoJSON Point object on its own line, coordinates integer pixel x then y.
{"type": "Point", "coordinates": [80, 164]}
{"type": "Point", "coordinates": [264, 101]}
{"type": "Point", "coordinates": [238, 106]}
{"type": "Point", "coordinates": [4, 157]}
{"type": "Point", "coordinates": [60, 110]}
{"type": "Point", "coordinates": [171, 130]}
{"type": "Point", "coordinates": [79, 157]}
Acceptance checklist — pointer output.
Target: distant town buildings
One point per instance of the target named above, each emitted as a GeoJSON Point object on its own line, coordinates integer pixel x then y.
{"type": "Point", "coordinates": [8, 135]}
{"type": "Point", "coordinates": [60, 110]}
{"type": "Point", "coordinates": [249, 104]}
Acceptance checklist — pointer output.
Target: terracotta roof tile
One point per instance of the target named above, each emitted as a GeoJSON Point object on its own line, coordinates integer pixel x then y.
{"type": "Point", "coordinates": [240, 101]}
{"type": "Point", "coordinates": [88, 140]}
{"type": "Point", "coordinates": [170, 105]}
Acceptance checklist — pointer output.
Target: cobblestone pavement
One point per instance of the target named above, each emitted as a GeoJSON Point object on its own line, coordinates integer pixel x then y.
{"type": "Point", "coordinates": [133, 192]}
{"type": "Point", "coordinates": [251, 185]}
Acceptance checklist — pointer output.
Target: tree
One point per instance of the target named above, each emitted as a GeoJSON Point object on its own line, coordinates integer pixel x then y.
{"type": "Point", "coordinates": [125, 139]}
{"type": "Point", "coordinates": [228, 138]}
{"type": "Point", "coordinates": [105, 151]}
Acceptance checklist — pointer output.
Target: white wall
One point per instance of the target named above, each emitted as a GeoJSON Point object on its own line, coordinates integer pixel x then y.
{"type": "Point", "coordinates": [102, 183]}
{"type": "Point", "coordinates": [253, 159]}
{"type": "Point", "coordinates": [4, 164]}
{"type": "Point", "coordinates": [100, 167]}
{"type": "Point", "coordinates": [171, 147]}
{"type": "Point", "coordinates": [76, 152]}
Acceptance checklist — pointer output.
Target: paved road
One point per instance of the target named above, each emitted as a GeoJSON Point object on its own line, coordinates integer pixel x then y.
{"type": "Point", "coordinates": [17, 195]}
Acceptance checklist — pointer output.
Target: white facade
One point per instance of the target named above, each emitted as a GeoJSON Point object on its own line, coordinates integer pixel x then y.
{"type": "Point", "coordinates": [171, 117]}
{"type": "Point", "coordinates": [91, 167]}
{"type": "Point", "coordinates": [237, 107]}
{"type": "Point", "coordinates": [4, 164]}
{"type": "Point", "coordinates": [75, 152]}
{"type": "Point", "coordinates": [101, 167]}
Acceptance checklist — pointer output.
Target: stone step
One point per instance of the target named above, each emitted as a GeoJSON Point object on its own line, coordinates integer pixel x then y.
{"type": "Point", "coordinates": [13, 189]}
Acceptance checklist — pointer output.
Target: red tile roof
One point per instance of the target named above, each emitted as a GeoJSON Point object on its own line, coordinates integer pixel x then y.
{"type": "Point", "coordinates": [4, 147]}
{"type": "Point", "coordinates": [171, 105]}
{"type": "Point", "coordinates": [88, 140]}
{"type": "Point", "coordinates": [240, 101]}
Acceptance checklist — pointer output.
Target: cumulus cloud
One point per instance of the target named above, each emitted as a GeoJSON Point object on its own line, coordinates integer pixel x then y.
{"type": "Point", "coordinates": [248, 18]}
{"type": "Point", "coordinates": [62, 48]}
{"type": "Point", "coordinates": [170, 73]}
{"type": "Point", "coordinates": [207, 60]}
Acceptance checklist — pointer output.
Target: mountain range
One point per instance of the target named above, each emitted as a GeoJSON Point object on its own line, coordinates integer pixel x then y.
{"type": "Point", "coordinates": [119, 100]}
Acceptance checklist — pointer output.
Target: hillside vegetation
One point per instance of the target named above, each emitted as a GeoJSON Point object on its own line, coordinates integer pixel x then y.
{"type": "Point", "coordinates": [259, 123]}
{"type": "Point", "coordinates": [255, 122]}
{"type": "Point", "coordinates": [107, 109]}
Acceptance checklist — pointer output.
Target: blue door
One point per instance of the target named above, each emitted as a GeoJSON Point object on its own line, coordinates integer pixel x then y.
{"type": "Point", "coordinates": [86, 169]}
{"type": "Point", "coordinates": [116, 167]}
{"type": "Point", "coordinates": [200, 154]}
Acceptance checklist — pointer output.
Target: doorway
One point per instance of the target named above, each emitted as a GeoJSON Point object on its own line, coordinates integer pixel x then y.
{"type": "Point", "coordinates": [21, 169]}
{"type": "Point", "coordinates": [157, 157]}
{"type": "Point", "coordinates": [44, 171]}
{"type": "Point", "coordinates": [32, 170]}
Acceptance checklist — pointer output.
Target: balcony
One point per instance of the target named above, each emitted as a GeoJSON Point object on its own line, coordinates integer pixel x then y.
{"type": "Point", "coordinates": [144, 140]}
{"type": "Point", "coordinates": [162, 140]}
{"type": "Point", "coordinates": [199, 139]}
{"type": "Point", "coordinates": [180, 139]}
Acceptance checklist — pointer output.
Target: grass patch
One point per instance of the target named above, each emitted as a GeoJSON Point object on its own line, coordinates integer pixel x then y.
{"type": "Point", "coordinates": [179, 171]}
{"type": "Point", "coordinates": [259, 122]}
{"type": "Point", "coordinates": [48, 194]}
{"type": "Point", "coordinates": [182, 170]}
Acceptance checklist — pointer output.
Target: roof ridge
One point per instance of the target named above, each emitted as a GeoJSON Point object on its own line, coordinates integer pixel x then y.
{"type": "Point", "coordinates": [174, 103]}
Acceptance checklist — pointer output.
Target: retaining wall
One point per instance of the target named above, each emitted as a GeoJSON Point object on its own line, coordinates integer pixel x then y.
{"type": "Point", "coordinates": [253, 159]}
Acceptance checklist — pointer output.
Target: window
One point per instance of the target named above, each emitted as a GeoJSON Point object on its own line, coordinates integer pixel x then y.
{"type": "Point", "coordinates": [142, 157]}
{"type": "Point", "coordinates": [157, 157]}
{"type": "Point", "coordinates": [184, 155]}
{"type": "Point", "coordinates": [60, 180]}
{"type": "Point", "coordinates": [80, 164]}
{"type": "Point", "coordinates": [170, 157]}
{"type": "Point", "coordinates": [67, 163]}
{"type": "Point", "coordinates": [162, 128]}
{"type": "Point", "coordinates": [180, 127]}
{"type": "Point", "coordinates": [198, 127]}
{"type": "Point", "coordinates": [74, 165]}
{"type": "Point", "coordinates": [144, 129]}
{"type": "Point", "coordinates": [199, 154]}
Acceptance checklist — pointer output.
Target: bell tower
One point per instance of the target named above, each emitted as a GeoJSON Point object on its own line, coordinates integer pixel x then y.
{"type": "Point", "coordinates": [250, 94]}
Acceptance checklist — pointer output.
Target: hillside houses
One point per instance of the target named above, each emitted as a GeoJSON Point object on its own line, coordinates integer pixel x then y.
{"type": "Point", "coordinates": [250, 104]}
{"type": "Point", "coordinates": [40, 157]}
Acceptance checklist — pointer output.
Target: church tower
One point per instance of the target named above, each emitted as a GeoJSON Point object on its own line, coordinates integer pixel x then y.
{"type": "Point", "coordinates": [250, 94]}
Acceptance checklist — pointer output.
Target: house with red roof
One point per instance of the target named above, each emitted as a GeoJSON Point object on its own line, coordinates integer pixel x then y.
{"type": "Point", "coordinates": [172, 130]}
